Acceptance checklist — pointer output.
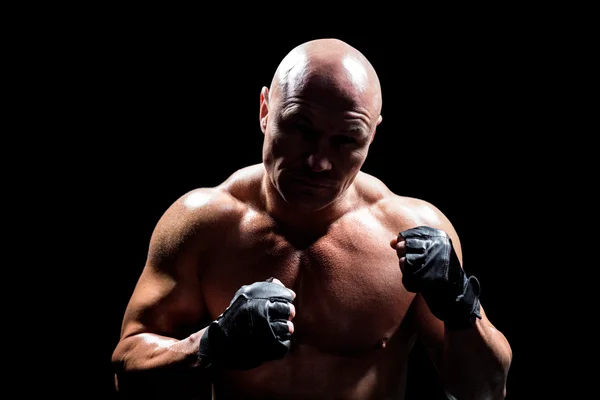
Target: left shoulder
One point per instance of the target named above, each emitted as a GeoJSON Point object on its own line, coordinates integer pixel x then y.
{"type": "Point", "coordinates": [399, 213]}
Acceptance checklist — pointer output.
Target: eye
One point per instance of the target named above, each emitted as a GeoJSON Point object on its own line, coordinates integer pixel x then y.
{"type": "Point", "coordinates": [304, 128]}
{"type": "Point", "coordinates": [343, 139]}
{"type": "Point", "coordinates": [297, 125]}
{"type": "Point", "coordinates": [306, 131]}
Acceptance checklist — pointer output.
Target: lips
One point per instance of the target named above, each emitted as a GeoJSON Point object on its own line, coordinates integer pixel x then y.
{"type": "Point", "coordinates": [313, 183]}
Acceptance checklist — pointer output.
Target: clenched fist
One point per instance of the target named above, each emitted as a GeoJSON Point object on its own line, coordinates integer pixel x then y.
{"type": "Point", "coordinates": [430, 266]}
{"type": "Point", "coordinates": [256, 327]}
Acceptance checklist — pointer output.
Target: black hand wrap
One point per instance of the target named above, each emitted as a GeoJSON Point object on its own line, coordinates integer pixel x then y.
{"type": "Point", "coordinates": [432, 269]}
{"type": "Point", "coordinates": [252, 330]}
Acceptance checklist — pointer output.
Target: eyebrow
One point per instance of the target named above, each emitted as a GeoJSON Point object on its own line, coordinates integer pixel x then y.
{"type": "Point", "coordinates": [356, 131]}
{"type": "Point", "coordinates": [353, 130]}
{"type": "Point", "coordinates": [303, 117]}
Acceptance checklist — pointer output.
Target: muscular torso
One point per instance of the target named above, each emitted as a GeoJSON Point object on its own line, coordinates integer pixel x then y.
{"type": "Point", "coordinates": [351, 337]}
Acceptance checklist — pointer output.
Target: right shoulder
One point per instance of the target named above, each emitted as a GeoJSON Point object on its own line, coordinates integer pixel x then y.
{"type": "Point", "coordinates": [199, 218]}
{"type": "Point", "coordinates": [196, 219]}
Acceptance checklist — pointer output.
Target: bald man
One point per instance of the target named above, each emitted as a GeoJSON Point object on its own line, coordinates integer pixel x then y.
{"type": "Point", "coordinates": [303, 277]}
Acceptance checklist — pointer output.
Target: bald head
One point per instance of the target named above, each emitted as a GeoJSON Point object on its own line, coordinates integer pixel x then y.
{"type": "Point", "coordinates": [328, 63]}
{"type": "Point", "coordinates": [319, 118]}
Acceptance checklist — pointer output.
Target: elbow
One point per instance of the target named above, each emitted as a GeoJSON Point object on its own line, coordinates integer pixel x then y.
{"type": "Point", "coordinates": [499, 382]}
{"type": "Point", "coordinates": [118, 358]}
{"type": "Point", "coordinates": [117, 363]}
{"type": "Point", "coordinates": [122, 361]}
{"type": "Point", "coordinates": [496, 388]}
{"type": "Point", "coordinates": [490, 388]}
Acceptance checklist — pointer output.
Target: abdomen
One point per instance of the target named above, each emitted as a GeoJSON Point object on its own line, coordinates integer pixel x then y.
{"type": "Point", "coordinates": [307, 373]}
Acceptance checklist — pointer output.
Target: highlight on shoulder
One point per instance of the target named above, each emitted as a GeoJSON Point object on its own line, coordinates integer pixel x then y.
{"type": "Point", "coordinates": [406, 211]}
{"type": "Point", "coordinates": [371, 188]}
{"type": "Point", "coordinates": [226, 195]}
{"type": "Point", "coordinates": [207, 198]}
{"type": "Point", "coordinates": [197, 218]}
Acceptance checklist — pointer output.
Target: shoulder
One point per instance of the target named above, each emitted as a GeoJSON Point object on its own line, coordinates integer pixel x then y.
{"type": "Point", "coordinates": [193, 219]}
{"type": "Point", "coordinates": [400, 212]}
{"type": "Point", "coordinates": [245, 183]}
{"type": "Point", "coordinates": [201, 216]}
{"type": "Point", "coordinates": [216, 205]}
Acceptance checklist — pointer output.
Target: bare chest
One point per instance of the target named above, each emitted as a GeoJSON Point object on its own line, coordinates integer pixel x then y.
{"type": "Point", "coordinates": [348, 284]}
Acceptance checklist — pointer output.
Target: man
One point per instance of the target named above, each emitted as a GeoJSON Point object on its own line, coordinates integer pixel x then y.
{"type": "Point", "coordinates": [304, 277]}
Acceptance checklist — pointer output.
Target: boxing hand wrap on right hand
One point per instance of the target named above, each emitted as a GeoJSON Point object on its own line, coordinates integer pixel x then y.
{"type": "Point", "coordinates": [432, 269]}
{"type": "Point", "coordinates": [253, 329]}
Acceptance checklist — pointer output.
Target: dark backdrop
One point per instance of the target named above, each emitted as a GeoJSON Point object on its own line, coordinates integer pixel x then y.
{"type": "Point", "coordinates": [165, 111]}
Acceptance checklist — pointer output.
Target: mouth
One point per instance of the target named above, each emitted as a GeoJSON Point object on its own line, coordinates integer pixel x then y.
{"type": "Point", "coordinates": [311, 183]}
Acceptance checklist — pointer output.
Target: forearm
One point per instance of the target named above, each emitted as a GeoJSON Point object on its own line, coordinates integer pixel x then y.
{"type": "Point", "coordinates": [476, 362]}
{"type": "Point", "coordinates": [149, 364]}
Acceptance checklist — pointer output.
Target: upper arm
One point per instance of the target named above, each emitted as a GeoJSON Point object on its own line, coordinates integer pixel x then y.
{"type": "Point", "coordinates": [167, 299]}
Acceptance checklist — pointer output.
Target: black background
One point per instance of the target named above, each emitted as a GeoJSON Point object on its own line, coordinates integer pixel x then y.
{"type": "Point", "coordinates": [163, 108]}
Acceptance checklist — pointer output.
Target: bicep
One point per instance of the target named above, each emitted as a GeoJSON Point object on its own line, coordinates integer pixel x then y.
{"type": "Point", "coordinates": [166, 300]}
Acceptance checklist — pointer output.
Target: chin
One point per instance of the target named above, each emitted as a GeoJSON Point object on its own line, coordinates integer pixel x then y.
{"type": "Point", "coordinates": [306, 198]}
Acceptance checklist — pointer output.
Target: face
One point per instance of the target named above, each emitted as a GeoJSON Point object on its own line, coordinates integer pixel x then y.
{"type": "Point", "coordinates": [316, 140]}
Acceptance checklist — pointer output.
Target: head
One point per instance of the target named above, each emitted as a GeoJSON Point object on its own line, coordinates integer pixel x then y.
{"type": "Point", "coordinates": [319, 117]}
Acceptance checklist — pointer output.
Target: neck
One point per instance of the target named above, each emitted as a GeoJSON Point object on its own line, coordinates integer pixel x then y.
{"type": "Point", "coordinates": [305, 220]}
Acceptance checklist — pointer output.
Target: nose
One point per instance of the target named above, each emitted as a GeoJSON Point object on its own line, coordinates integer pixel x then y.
{"type": "Point", "coordinates": [318, 162]}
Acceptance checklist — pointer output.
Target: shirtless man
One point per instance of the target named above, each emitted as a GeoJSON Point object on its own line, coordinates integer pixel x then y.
{"type": "Point", "coordinates": [303, 277]}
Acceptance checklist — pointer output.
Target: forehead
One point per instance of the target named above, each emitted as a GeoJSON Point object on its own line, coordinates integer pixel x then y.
{"type": "Point", "coordinates": [326, 81]}
{"type": "Point", "coordinates": [326, 117]}
{"type": "Point", "coordinates": [325, 91]}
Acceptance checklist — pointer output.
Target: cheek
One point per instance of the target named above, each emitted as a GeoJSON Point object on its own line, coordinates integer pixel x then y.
{"type": "Point", "coordinates": [281, 151]}
{"type": "Point", "coordinates": [354, 159]}
{"type": "Point", "coordinates": [286, 145]}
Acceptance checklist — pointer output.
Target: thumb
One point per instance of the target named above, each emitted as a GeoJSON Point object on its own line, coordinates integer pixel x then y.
{"type": "Point", "coordinates": [278, 282]}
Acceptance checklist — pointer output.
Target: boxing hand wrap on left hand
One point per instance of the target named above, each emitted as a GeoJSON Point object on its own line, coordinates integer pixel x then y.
{"type": "Point", "coordinates": [252, 330]}
{"type": "Point", "coordinates": [432, 269]}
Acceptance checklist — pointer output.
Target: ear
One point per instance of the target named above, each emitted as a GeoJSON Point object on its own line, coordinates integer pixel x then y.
{"type": "Point", "coordinates": [264, 108]}
{"type": "Point", "coordinates": [375, 130]}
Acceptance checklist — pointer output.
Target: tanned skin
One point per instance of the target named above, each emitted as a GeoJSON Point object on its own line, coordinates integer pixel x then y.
{"type": "Point", "coordinates": [309, 217]}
